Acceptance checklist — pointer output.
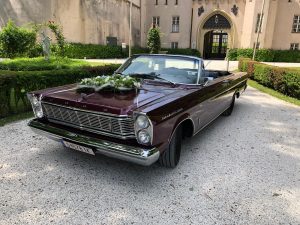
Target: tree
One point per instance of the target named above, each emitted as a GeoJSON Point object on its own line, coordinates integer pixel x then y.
{"type": "Point", "coordinates": [16, 41]}
{"type": "Point", "coordinates": [153, 40]}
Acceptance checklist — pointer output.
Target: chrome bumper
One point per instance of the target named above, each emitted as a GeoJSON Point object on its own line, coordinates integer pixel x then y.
{"type": "Point", "coordinates": [136, 155]}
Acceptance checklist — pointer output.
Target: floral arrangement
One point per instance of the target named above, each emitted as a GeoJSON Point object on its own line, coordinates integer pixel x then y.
{"type": "Point", "coordinates": [116, 82]}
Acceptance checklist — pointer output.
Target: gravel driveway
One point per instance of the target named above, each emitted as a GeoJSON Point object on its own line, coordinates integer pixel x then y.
{"type": "Point", "coordinates": [243, 169]}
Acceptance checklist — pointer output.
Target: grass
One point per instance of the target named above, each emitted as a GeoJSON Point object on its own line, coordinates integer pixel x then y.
{"type": "Point", "coordinates": [273, 93]}
{"type": "Point", "coordinates": [39, 64]}
{"type": "Point", "coordinates": [294, 68]}
{"type": "Point", "coordinates": [14, 118]}
{"type": "Point", "coordinates": [97, 63]}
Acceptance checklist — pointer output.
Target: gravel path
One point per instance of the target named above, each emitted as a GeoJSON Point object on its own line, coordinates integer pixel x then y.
{"type": "Point", "coordinates": [243, 169]}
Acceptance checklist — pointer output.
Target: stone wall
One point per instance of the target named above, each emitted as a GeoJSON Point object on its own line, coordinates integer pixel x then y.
{"type": "Point", "coordinates": [85, 21]}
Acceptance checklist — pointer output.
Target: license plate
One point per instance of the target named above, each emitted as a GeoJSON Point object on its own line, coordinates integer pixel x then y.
{"type": "Point", "coordinates": [79, 148]}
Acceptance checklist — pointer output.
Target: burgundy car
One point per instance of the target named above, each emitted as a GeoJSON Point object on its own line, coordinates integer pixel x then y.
{"type": "Point", "coordinates": [177, 98]}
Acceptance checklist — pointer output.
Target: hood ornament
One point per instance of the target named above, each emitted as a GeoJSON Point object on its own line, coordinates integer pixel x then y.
{"type": "Point", "coordinates": [83, 96]}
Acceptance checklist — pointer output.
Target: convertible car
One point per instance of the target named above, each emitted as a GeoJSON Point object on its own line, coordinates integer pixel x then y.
{"type": "Point", "coordinates": [177, 98]}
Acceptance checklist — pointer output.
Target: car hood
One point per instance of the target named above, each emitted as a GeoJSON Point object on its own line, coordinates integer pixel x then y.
{"type": "Point", "coordinates": [107, 101]}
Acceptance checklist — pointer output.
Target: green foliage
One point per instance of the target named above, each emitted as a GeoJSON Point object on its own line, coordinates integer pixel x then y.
{"type": "Point", "coordinates": [284, 80]}
{"type": "Point", "coordinates": [14, 85]}
{"type": "Point", "coordinates": [262, 74]}
{"type": "Point", "coordinates": [61, 41]}
{"type": "Point", "coordinates": [265, 55]}
{"type": "Point", "coordinates": [153, 40]}
{"type": "Point", "coordinates": [182, 51]}
{"type": "Point", "coordinates": [16, 41]}
{"type": "Point", "coordinates": [286, 56]}
{"type": "Point", "coordinates": [39, 64]}
{"type": "Point", "coordinates": [93, 51]}
{"type": "Point", "coordinates": [232, 54]}
{"type": "Point", "coordinates": [244, 53]}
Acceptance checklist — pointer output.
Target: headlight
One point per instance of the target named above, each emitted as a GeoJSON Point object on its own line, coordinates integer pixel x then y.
{"type": "Point", "coordinates": [144, 137]}
{"type": "Point", "coordinates": [36, 105]}
{"type": "Point", "coordinates": [143, 129]}
{"type": "Point", "coordinates": [142, 122]}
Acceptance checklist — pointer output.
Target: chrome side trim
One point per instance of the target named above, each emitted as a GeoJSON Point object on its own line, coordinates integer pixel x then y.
{"type": "Point", "coordinates": [142, 156]}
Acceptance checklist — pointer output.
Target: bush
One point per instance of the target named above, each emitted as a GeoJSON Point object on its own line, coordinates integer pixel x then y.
{"type": "Point", "coordinates": [244, 53]}
{"type": "Point", "coordinates": [153, 40]}
{"type": "Point", "coordinates": [16, 41]}
{"type": "Point", "coordinates": [39, 64]}
{"type": "Point", "coordinates": [265, 55]}
{"type": "Point", "coordinates": [286, 56]}
{"type": "Point", "coordinates": [14, 85]}
{"type": "Point", "coordinates": [284, 80]}
{"type": "Point", "coordinates": [92, 51]}
{"type": "Point", "coordinates": [182, 51]}
{"type": "Point", "coordinates": [232, 54]}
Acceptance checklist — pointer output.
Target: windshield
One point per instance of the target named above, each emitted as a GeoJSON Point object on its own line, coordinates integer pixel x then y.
{"type": "Point", "coordinates": [175, 69]}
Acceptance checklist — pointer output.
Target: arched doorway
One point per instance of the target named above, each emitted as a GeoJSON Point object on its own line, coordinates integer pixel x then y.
{"type": "Point", "coordinates": [215, 32]}
{"type": "Point", "coordinates": [215, 44]}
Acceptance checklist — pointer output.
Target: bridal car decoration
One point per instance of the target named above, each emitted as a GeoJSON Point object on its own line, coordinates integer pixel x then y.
{"type": "Point", "coordinates": [114, 83]}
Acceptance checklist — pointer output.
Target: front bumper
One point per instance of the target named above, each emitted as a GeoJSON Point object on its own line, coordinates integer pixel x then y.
{"type": "Point", "coordinates": [138, 155]}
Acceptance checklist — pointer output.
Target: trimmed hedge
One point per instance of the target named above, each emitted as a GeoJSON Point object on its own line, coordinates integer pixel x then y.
{"type": "Point", "coordinates": [40, 64]}
{"type": "Point", "coordinates": [95, 51]}
{"type": "Point", "coordinates": [284, 80]}
{"type": "Point", "coordinates": [14, 85]}
{"type": "Point", "coordinates": [265, 55]}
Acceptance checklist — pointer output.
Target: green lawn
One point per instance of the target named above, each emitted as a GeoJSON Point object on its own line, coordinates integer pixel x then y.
{"type": "Point", "coordinates": [273, 93]}
{"type": "Point", "coordinates": [293, 68]}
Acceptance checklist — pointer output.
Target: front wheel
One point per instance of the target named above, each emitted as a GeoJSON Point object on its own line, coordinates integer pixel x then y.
{"type": "Point", "coordinates": [171, 156]}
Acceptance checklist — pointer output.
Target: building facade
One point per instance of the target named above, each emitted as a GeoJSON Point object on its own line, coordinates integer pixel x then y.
{"type": "Point", "coordinates": [211, 26]}
{"type": "Point", "coordinates": [84, 21]}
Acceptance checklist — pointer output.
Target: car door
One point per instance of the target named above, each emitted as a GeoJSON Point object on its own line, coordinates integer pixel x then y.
{"type": "Point", "coordinates": [214, 98]}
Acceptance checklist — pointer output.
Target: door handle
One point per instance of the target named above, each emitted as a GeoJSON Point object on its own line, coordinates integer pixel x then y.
{"type": "Point", "coordinates": [225, 81]}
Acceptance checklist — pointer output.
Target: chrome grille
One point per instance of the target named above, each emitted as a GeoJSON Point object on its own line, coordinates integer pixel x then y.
{"type": "Point", "coordinates": [122, 127]}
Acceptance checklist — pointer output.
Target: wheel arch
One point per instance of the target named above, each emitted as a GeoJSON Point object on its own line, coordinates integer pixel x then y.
{"type": "Point", "coordinates": [188, 126]}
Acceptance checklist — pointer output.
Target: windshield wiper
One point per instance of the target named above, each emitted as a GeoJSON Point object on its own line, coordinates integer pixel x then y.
{"type": "Point", "coordinates": [151, 76]}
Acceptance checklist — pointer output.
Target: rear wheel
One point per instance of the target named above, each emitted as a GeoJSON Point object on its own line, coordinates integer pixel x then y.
{"type": "Point", "coordinates": [230, 109]}
{"type": "Point", "coordinates": [171, 156]}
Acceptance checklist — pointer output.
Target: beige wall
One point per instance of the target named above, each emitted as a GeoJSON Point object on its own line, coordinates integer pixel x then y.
{"type": "Point", "coordinates": [86, 21]}
{"type": "Point", "coordinates": [283, 36]}
{"type": "Point", "coordinates": [91, 21]}
{"type": "Point", "coordinates": [276, 27]}
{"type": "Point", "coordinates": [166, 12]}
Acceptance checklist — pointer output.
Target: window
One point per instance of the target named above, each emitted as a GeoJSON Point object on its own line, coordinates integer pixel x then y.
{"type": "Point", "coordinates": [177, 69]}
{"type": "Point", "coordinates": [155, 21]}
{"type": "Point", "coordinates": [294, 46]}
{"type": "Point", "coordinates": [175, 24]}
{"type": "Point", "coordinates": [258, 23]}
{"type": "Point", "coordinates": [296, 24]}
{"type": "Point", "coordinates": [176, 2]}
{"type": "Point", "coordinates": [156, 2]}
{"type": "Point", "coordinates": [174, 45]}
